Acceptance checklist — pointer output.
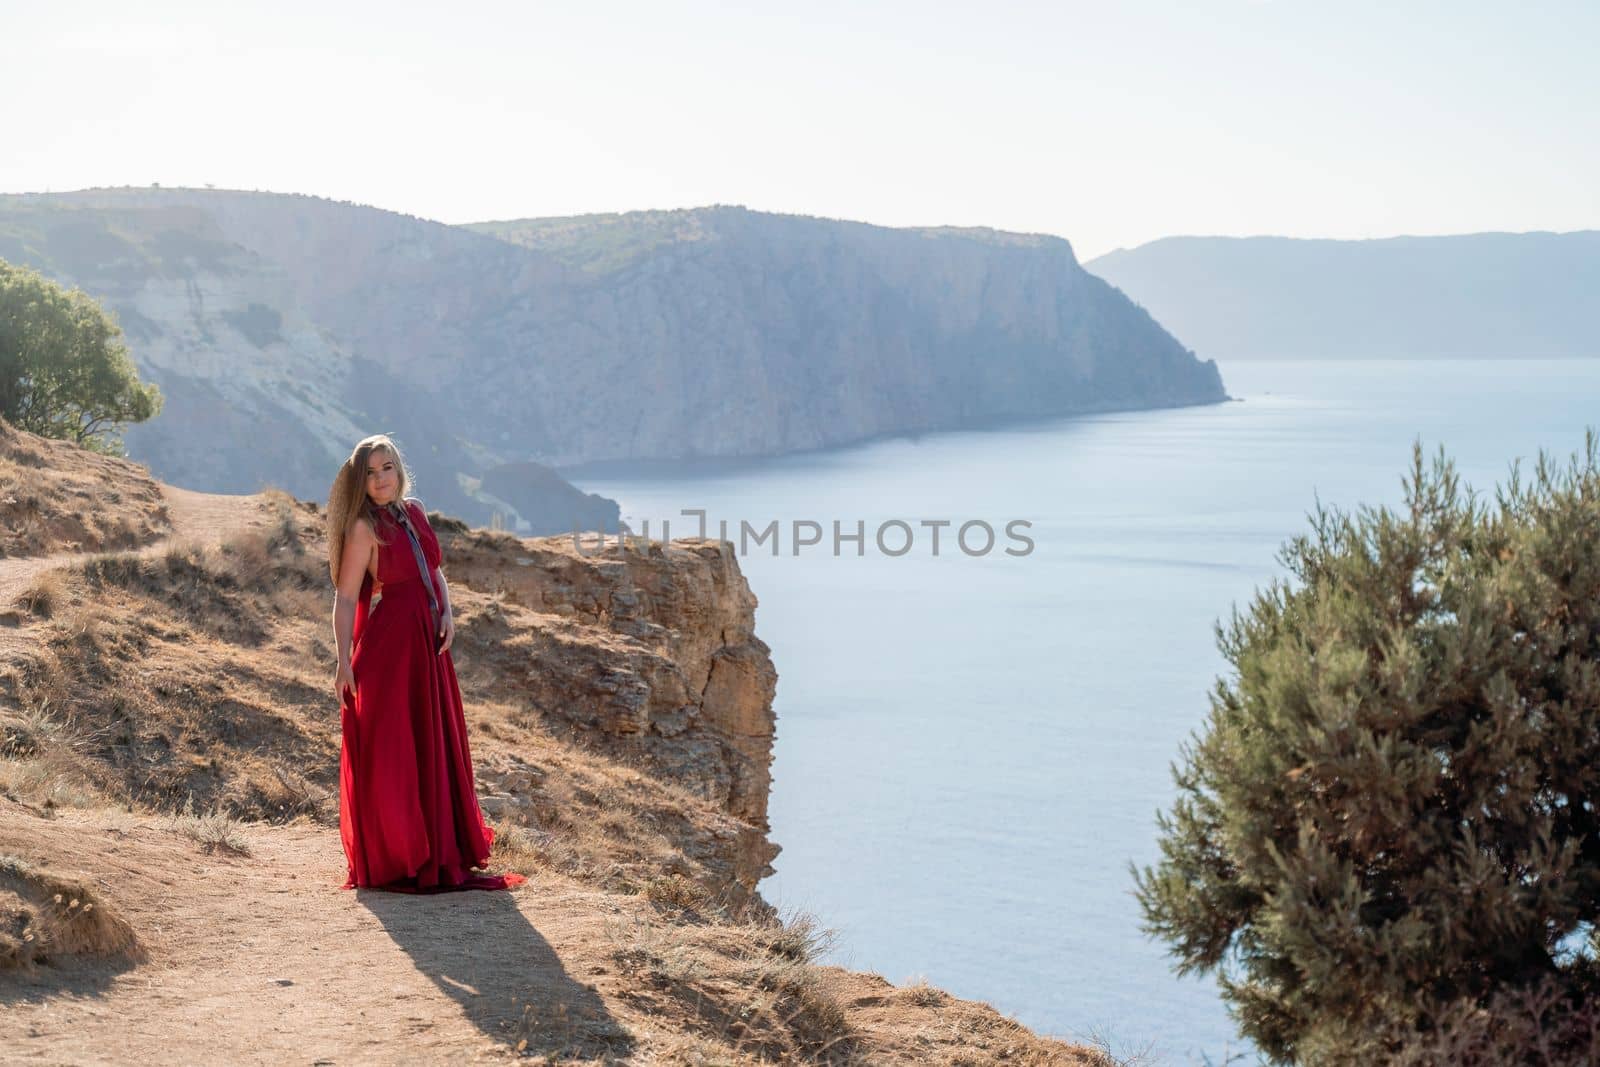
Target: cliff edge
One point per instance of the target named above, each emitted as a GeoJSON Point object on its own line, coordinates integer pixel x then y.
{"type": "Point", "coordinates": [169, 852]}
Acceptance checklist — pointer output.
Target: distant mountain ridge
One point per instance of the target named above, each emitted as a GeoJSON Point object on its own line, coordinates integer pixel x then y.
{"type": "Point", "coordinates": [605, 243]}
{"type": "Point", "coordinates": [283, 327]}
{"type": "Point", "coordinates": [1486, 295]}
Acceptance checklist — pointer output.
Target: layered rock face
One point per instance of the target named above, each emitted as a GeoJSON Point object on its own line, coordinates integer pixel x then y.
{"type": "Point", "coordinates": [617, 694]}
{"type": "Point", "coordinates": [651, 655]}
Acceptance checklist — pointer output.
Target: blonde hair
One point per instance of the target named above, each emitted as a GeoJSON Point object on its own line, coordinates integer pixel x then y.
{"type": "Point", "coordinates": [348, 499]}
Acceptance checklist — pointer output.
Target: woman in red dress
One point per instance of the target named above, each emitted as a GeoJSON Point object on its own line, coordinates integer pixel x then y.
{"type": "Point", "coordinates": [408, 810]}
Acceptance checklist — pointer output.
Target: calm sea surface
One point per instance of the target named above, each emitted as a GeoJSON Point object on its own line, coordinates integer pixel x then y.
{"type": "Point", "coordinates": [971, 749]}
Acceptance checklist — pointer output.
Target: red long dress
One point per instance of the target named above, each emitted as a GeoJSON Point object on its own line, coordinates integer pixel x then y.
{"type": "Point", "coordinates": [408, 809]}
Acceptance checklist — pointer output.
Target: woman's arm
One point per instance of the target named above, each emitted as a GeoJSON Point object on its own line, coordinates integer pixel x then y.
{"type": "Point", "coordinates": [447, 621]}
{"type": "Point", "coordinates": [444, 591]}
{"type": "Point", "coordinates": [352, 570]}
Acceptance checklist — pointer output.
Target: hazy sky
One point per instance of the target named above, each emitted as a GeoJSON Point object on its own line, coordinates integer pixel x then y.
{"type": "Point", "coordinates": [1108, 123]}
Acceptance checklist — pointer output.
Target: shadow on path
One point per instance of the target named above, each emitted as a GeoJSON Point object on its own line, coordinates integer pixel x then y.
{"type": "Point", "coordinates": [483, 953]}
{"type": "Point", "coordinates": [72, 977]}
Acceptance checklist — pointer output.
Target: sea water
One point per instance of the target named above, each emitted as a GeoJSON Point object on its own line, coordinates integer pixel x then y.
{"type": "Point", "coordinates": [972, 746]}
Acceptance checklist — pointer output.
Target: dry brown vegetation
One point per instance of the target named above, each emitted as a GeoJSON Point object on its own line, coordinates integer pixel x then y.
{"type": "Point", "coordinates": [173, 706]}
{"type": "Point", "coordinates": [57, 497]}
{"type": "Point", "coordinates": [195, 675]}
{"type": "Point", "coordinates": [47, 917]}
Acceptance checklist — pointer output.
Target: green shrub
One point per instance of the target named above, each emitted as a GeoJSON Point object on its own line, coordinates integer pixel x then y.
{"type": "Point", "coordinates": [1390, 815]}
{"type": "Point", "coordinates": [64, 370]}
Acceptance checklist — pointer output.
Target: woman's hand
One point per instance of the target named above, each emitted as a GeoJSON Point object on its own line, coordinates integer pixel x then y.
{"type": "Point", "coordinates": [342, 681]}
{"type": "Point", "coordinates": [447, 632]}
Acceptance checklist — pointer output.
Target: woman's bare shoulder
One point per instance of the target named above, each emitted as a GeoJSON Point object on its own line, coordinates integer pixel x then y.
{"type": "Point", "coordinates": [362, 529]}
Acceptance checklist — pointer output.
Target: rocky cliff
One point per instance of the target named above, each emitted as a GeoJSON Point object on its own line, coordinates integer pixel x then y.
{"type": "Point", "coordinates": [648, 655]}
{"type": "Point", "coordinates": [743, 333]}
{"type": "Point", "coordinates": [645, 659]}
{"type": "Point", "coordinates": [283, 327]}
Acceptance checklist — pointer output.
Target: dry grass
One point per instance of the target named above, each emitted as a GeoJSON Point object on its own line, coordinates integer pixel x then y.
{"type": "Point", "coordinates": [675, 891]}
{"type": "Point", "coordinates": [661, 951]}
{"type": "Point", "coordinates": [803, 1002]}
{"type": "Point", "coordinates": [734, 994]}
{"type": "Point", "coordinates": [799, 937]}
{"type": "Point", "coordinates": [692, 1050]}
{"type": "Point", "coordinates": [44, 761]}
{"type": "Point", "coordinates": [56, 496]}
{"type": "Point", "coordinates": [214, 831]}
{"type": "Point", "coordinates": [45, 917]}
{"type": "Point", "coordinates": [29, 734]}
{"type": "Point", "coordinates": [921, 993]}
{"type": "Point", "coordinates": [297, 796]}
{"type": "Point", "coordinates": [196, 682]}
{"type": "Point", "coordinates": [602, 822]}
{"type": "Point", "coordinates": [556, 1034]}
{"type": "Point", "coordinates": [48, 782]}
{"type": "Point", "coordinates": [1114, 1053]}
{"type": "Point", "coordinates": [516, 848]}
{"type": "Point", "coordinates": [199, 669]}
{"type": "Point", "coordinates": [246, 560]}
{"type": "Point", "coordinates": [156, 666]}
{"type": "Point", "coordinates": [44, 596]}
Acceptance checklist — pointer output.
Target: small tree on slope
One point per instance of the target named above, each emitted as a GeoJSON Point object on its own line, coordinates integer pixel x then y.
{"type": "Point", "coordinates": [64, 371]}
{"type": "Point", "coordinates": [1391, 812]}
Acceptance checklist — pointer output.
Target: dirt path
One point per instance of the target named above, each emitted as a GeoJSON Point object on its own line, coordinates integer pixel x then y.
{"type": "Point", "coordinates": [200, 518]}
{"type": "Point", "coordinates": [263, 958]}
